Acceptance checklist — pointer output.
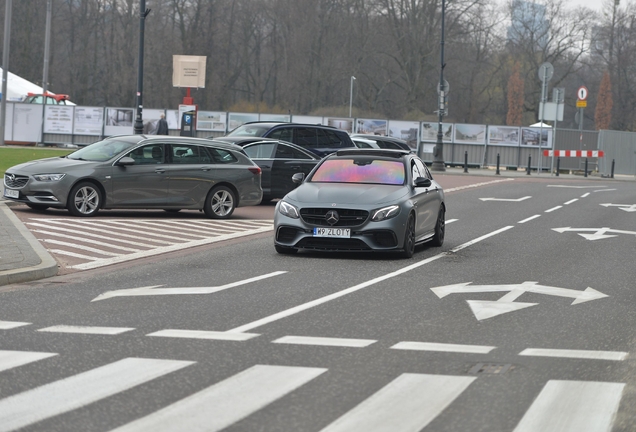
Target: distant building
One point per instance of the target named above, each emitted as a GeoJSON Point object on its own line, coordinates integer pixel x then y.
{"type": "Point", "coordinates": [529, 24]}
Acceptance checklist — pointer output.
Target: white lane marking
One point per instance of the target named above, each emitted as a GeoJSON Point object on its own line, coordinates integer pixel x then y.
{"type": "Point", "coordinates": [408, 403]}
{"type": "Point", "coordinates": [451, 221]}
{"type": "Point", "coordinates": [148, 228]}
{"type": "Point", "coordinates": [86, 329]}
{"type": "Point", "coordinates": [443, 347]}
{"type": "Point", "coordinates": [203, 334]}
{"type": "Point", "coordinates": [553, 209]}
{"type": "Point", "coordinates": [581, 354]}
{"type": "Point", "coordinates": [89, 227]}
{"type": "Point", "coordinates": [506, 199]}
{"type": "Point", "coordinates": [325, 341]}
{"type": "Point", "coordinates": [89, 234]}
{"type": "Point", "coordinates": [227, 402]}
{"type": "Point", "coordinates": [573, 406]}
{"type": "Point", "coordinates": [154, 290]}
{"type": "Point", "coordinates": [571, 201]}
{"type": "Point", "coordinates": [529, 219]}
{"type": "Point", "coordinates": [574, 187]}
{"type": "Point", "coordinates": [327, 298]}
{"type": "Point", "coordinates": [604, 190]}
{"type": "Point", "coordinates": [476, 185]}
{"type": "Point", "coordinates": [8, 325]}
{"type": "Point", "coordinates": [85, 240]}
{"type": "Point", "coordinates": [74, 255]}
{"type": "Point", "coordinates": [585, 195]}
{"type": "Point", "coordinates": [171, 248]}
{"type": "Point", "coordinates": [11, 359]}
{"type": "Point", "coordinates": [79, 390]}
{"type": "Point", "coordinates": [80, 247]}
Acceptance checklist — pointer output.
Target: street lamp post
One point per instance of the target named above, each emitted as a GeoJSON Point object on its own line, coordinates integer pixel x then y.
{"type": "Point", "coordinates": [5, 66]}
{"type": "Point", "coordinates": [351, 94]}
{"type": "Point", "coordinates": [139, 124]}
{"type": "Point", "coordinates": [438, 156]}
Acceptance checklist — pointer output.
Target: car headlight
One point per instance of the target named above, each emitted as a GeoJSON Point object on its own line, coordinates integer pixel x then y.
{"type": "Point", "coordinates": [385, 213]}
{"type": "Point", "coordinates": [288, 210]}
{"type": "Point", "coordinates": [48, 177]}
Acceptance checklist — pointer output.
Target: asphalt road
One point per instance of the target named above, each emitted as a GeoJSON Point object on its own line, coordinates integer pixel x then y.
{"type": "Point", "coordinates": [522, 321]}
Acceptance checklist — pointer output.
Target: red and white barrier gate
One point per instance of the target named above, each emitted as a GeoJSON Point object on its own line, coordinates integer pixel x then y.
{"type": "Point", "coordinates": [574, 153]}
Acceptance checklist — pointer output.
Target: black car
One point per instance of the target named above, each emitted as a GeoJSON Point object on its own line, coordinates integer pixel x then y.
{"type": "Point", "coordinates": [381, 141]}
{"type": "Point", "coordinates": [279, 161]}
{"type": "Point", "coordinates": [319, 139]}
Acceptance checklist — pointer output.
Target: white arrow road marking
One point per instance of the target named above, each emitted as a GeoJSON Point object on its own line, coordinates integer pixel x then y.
{"type": "Point", "coordinates": [625, 207]}
{"type": "Point", "coordinates": [488, 309]}
{"type": "Point", "coordinates": [597, 233]}
{"type": "Point", "coordinates": [506, 199]}
{"type": "Point", "coordinates": [154, 290]}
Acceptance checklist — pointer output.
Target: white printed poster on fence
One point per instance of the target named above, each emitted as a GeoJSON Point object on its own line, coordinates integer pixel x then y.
{"type": "Point", "coordinates": [58, 119]}
{"type": "Point", "coordinates": [27, 122]}
{"type": "Point", "coordinates": [88, 121]}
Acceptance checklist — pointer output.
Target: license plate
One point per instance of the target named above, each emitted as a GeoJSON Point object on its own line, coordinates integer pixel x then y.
{"type": "Point", "coordinates": [332, 232]}
{"type": "Point", "coordinates": [11, 193]}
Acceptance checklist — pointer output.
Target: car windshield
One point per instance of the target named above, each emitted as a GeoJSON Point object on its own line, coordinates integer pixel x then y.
{"type": "Point", "coordinates": [250, 130]}
{"type": "Point", "coordinates": [360, 170]}
{"type": "Point", "coordinates": [102, 150]}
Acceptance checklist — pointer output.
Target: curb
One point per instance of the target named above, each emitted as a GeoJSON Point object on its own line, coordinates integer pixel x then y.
{"type": "Point", "coordinates": [47, 267]}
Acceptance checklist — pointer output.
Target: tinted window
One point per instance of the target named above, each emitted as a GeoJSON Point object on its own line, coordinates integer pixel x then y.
{"type": "Point", "coordinates": [221, 156]}
{"type": "Point", "coordinates": [388, 145]}
{"type": "Point", "coordinates": [188, 154]}
{"type": "Point", "coordinates": [147, 155]}
{"type": "Point", "coordinates": [283, 134]}
{"type": "Point", "coordinates": [260, 151]}
{"type": "Point", "coordinates": [305, 137]}
{"type": "Point", "coordinates": [250, 130]}
{"type": "Point", "coordinates": [423, 169]}
{"type": "Point", "coordinates": [360, 170]}
{"type": "Point", "coordinates": [287, 152]}
{"type": "Point", "coordinates": [103, 150]}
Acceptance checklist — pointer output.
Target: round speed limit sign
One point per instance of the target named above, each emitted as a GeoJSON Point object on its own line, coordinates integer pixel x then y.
{"type": "Point", "coordinates": [582, 93]}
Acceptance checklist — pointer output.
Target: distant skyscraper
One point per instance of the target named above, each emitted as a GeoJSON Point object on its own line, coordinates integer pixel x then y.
{"type": "Point", "coordinates": [529, 24]}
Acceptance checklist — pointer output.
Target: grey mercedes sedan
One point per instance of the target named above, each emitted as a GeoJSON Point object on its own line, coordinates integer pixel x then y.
{"type": "Point", "coordinates": [140, 172]}
{"type": "Point", "coordinates": [362, 200]}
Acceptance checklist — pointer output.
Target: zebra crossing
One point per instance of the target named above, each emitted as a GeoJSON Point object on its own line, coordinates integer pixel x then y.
{"type": "Point", "coordinates": [407, 402]}
{"type": "Point", "coordinates": [87, 244]}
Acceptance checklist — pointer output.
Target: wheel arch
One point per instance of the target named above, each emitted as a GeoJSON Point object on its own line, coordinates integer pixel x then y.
{"type": "Point", "coordinates": [93, 181]}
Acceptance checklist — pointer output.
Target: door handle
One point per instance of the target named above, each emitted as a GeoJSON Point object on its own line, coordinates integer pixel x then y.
{"type": "Point", "coordinates": [160, 170]}
{"type": "Point", "coordinates": [206, 168]}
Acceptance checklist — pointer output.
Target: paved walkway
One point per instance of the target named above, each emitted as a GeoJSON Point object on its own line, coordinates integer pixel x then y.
{"type": "Point", "coordinates": [23, 258]}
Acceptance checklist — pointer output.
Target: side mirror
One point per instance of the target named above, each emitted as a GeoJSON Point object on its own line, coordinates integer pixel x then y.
{"type": "Point", "coordinates": [125, 161]}
{"type": "Point", "coordinates": [423, 182]}
{"type": "Point", "coordinates": [298, 178]}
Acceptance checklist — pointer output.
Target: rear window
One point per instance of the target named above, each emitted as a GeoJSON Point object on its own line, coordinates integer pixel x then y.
{"type": "Point", "coordinates": [360, 170]}
{"type": "Point", "coordinates": [250, 130]}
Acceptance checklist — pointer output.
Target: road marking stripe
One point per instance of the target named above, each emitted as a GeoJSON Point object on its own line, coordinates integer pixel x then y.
{"type": "Point", "coordinates": [81, 247]}
{"type": "Point", "coordinates": [88, 234]}
{"type": "Point", "coordinates": [226, 402]}
{"type": "Point", "coordinates": [87, 240]}
{"type": "Point", "coordinates": [86, 329]}
{"type": "Point", "coordinates": [585, 194]}
{"type": "Point", "coordinates": [171, 248]}
{"type": "Point", "coordinates": [573, 406]}
{"type": "Point", "coordinates": [604, 190]}
{"type": "Point", "coordinates": [408, 403]}
{"type": "Point", "coordinates": [74, 255]}
{"type": "Point", "coordinates": [476, 185]}
{"type": "Point", "coordinates": [582, 354]}
{"type": "Point", "coordinates": [8, 325]}
{"type": "Point", "coordinates": [451, 221]}
{"type": "Point", "coordinates": [325, 341]}
{"type": "Point", "coordinates": [571, 201]}
{"type": "Point", "coordinates": [529, 219]}
{"type": "Point", "coordinates": [82, 389]}
{"type": "Point", "coordinates": [327, 298]}
{"type": "Point", "coordinates": [11, 359]}
{"type": "Point", "coordinates": [203, 334]}
{"type": "Point", "coordinates": [553, 209]}
{"type": "Point", "coordinates": [186, 229]}
{"type": "Point", "coordinates": [88, 226]}
{"type": "Point", "coordinates": [443, 347]}
{"type": "Point", "coordinates": [147, 228]}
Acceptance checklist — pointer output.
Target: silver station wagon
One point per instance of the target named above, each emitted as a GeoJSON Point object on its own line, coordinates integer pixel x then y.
{"type": "Point", "coordinates": [140, 172]}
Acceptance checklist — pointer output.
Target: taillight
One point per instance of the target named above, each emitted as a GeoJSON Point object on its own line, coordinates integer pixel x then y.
{"type": "Point", "coordinates": [255, 170]}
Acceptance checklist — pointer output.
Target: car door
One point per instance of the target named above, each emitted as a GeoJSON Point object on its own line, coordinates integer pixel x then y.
{"type": "Point", "coordinates": [262, 154]}
{"type": "Point", "coordinates": [287, 162]}
{"type": "Point", "coordinates": [427, 198]}
{"type": "Point", "coordinates": [143, 184]}
{"type": "Point", "coordinates": [191, 174]}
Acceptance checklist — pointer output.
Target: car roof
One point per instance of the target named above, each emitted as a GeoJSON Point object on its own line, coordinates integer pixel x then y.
{"type": "Point", "coordinates": [290, 144]}
{"type": "Point", "coordinates": [273, 124]}
{"type": "Point", "coordinates": [378, 137]}
{"type": "Point", "coordinates": [174, 138]}
{"type": "Point", "coordinates": [372, 152]}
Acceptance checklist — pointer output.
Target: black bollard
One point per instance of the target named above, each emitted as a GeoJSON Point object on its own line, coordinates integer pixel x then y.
{"type": "Point", "coordinates": [497, 173]}
{"type": "Point", "coordinates": [613, 162]}
{"type": "Point", "coordinates": [558, 166]}
{"type": "Point", "coordinates": [529, 160]}
{"type": "Point", "coordinates": [466, 161]}
{"type": "Point", "coordinates": [585, 175]}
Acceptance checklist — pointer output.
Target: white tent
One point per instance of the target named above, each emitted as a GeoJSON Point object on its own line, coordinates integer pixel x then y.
{"type": "Point", "coordinates": [540, 125]}
{"type": "Point", "coordinates": [18, 87]}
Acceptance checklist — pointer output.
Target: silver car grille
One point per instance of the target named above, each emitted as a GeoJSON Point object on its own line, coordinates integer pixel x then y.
{"type": "Point", "coordinates": [15, 181]}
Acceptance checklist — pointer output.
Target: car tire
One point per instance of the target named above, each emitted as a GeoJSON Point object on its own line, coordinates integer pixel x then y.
{"type": "Point", "coordinates": [220, 203]}
{"type": "Point", "coordinates": [285, 250]}
{"type": "Point", "coordinates": [440, 228]}
{"type": "Point", "coordinates": [84, 200]}
{"type": "Point", "coordinates": [37, 207]}
{"type": "Point", "coordinates": [409, 237]}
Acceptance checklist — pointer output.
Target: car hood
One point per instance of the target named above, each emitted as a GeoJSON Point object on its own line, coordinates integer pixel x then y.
{"type": "Point", "coordinates": [341, 193]}
{"type": "Point", "coordinates": [47, 166]}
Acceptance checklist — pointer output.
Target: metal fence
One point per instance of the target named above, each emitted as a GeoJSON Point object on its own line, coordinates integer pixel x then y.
{"type": "Point", "coordinates": [620, 151]}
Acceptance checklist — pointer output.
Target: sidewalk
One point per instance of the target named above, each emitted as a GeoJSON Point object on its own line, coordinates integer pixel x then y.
{"type": "Point", "coordinates": [23, 258]}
